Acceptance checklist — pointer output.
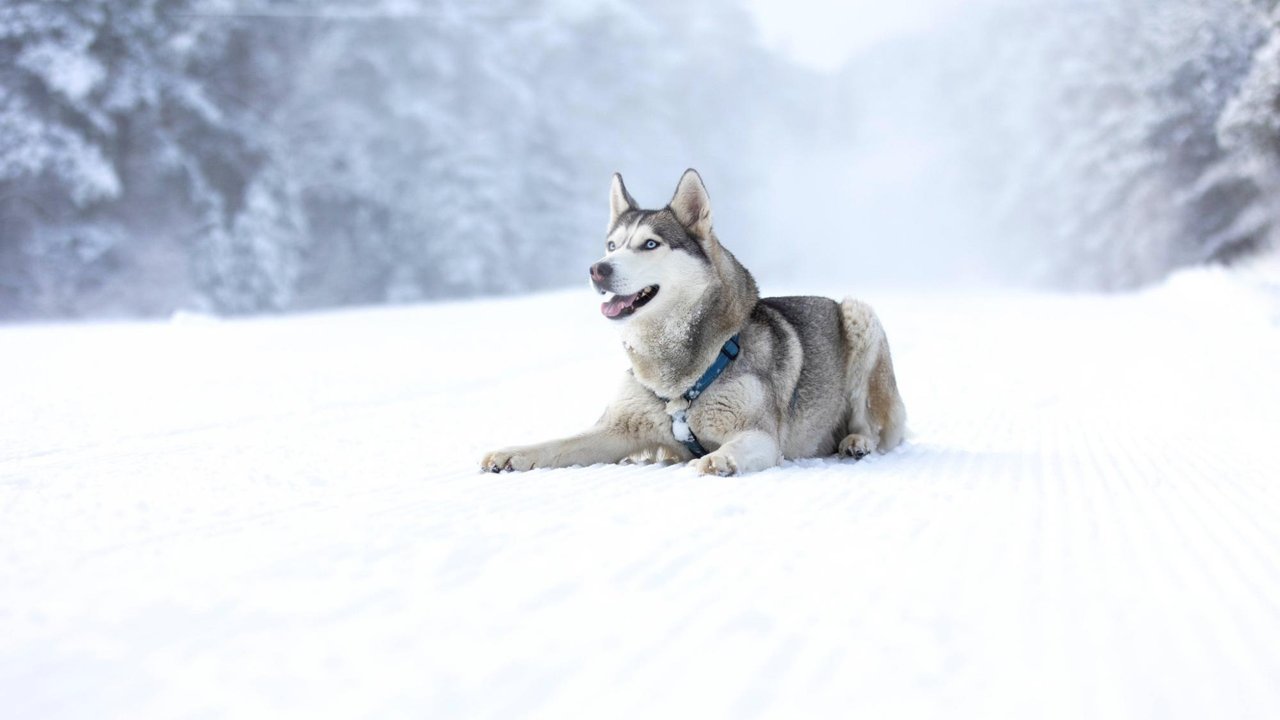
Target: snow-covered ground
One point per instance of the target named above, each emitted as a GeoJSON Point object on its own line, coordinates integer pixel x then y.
{"type": "Point", "coordinates": [284, 517]}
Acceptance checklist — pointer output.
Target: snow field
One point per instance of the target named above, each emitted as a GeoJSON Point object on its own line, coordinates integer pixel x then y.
{"type": "Point", "coordinates": [284, 517]}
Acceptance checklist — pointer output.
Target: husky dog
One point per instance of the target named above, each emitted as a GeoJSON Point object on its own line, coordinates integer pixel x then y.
{"type": "Point", "coordinates": [720, 377]}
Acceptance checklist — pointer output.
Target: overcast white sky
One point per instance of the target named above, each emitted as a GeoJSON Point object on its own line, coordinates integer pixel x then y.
{"type": "Point", "coordinates": [824, 33]}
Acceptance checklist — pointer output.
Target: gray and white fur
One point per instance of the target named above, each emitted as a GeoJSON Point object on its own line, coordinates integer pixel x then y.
{"type": "Point", "coordinates": [814, 377]}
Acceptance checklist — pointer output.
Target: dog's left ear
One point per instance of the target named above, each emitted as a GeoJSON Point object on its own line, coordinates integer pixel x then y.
{"type": "Point", "coordinates": [691, 205]}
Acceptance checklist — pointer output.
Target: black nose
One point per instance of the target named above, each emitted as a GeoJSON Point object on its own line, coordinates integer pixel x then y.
{"type": "Point", "coordinates": [601, 271]}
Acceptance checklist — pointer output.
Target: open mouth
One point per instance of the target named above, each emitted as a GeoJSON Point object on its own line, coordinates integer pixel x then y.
{"type": "Point", "coordinates": [620, 306]}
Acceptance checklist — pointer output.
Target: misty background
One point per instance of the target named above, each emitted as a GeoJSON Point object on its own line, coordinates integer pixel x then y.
{"type": "Point", "coordinates": [239, 157]}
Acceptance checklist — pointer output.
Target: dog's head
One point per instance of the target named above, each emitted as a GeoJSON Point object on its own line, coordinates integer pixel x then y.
{"type": "Point", "coordinates": [656, 260]}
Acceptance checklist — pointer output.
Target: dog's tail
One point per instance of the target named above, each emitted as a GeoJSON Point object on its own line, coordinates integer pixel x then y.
{"type": "Point", "coordinates": [877, 407]}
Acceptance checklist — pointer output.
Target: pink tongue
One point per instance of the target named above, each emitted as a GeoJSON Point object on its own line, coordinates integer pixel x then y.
{"type": "Point", "coordinates": [614, 307]}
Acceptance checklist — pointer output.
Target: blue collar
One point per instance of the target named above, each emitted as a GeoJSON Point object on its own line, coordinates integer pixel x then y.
{"type": "Point", "coordinates": [680, 419]}
{"type": "Point", "coordinates": [727, 355]}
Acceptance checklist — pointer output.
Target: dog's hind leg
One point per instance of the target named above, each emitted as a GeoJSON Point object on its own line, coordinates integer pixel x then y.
{"type": "Point", "coordinates": [877, 417]}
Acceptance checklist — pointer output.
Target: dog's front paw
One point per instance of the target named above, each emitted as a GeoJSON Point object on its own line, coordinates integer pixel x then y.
{"type": "Point", "coordinates": [717, 463]}
{"type": "Point", "coordinates": [857, 446]}
{"type": "Point", "coordinates": [507, 460]}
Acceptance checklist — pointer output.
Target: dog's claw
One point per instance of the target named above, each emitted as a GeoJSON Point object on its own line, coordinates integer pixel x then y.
{"type": "Point", "coordinates": [511, 460]}
{"type": "Point", "coordinates": [492, 463]}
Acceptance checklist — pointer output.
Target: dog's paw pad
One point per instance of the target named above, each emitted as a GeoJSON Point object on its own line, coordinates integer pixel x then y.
{"type": "Point", "coordinates": [857, 446]}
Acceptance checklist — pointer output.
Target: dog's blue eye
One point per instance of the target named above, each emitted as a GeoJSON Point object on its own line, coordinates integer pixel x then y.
{"type": "Point", "coordinates": [611, 246]}
{"type": "Point", "coordinates": [651, 245]}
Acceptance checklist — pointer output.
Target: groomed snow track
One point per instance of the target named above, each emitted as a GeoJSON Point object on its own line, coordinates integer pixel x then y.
{"type": "Point", "coordinates": [284, 517]}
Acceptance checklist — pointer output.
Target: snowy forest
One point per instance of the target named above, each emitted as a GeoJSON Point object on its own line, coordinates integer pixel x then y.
{"type": "Point", "coordinates": [238, 157]}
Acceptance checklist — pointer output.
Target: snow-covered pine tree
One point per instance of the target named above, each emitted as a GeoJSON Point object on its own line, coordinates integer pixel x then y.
{"type": "Point", "coordinates": [1249, 128]}
{"type": "Point", "coordinates": [1115, 172]}
{"type": "Point", "coordinates": [114, 150]}
{"type": "Point", "coordinates": [56, 151]}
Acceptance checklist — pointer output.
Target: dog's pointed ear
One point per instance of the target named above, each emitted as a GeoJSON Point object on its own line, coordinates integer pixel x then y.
{"type": "Point", "coordinates": [620, 201]}
{"type": "Point", "coordinates": [691, 204]}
